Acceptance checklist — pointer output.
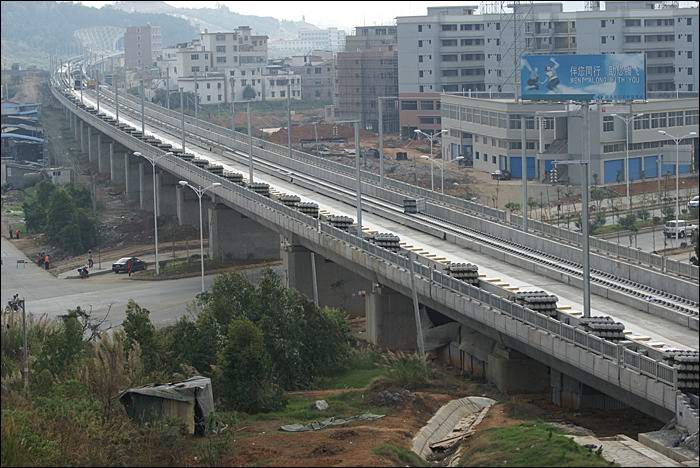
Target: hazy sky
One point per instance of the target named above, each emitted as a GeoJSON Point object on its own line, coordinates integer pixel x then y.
{"type": "Point", "coordinates": [345, 15]}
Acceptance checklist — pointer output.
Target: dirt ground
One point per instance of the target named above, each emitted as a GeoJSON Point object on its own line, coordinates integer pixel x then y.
{"type": "Point", "coordinates": [264, 445]}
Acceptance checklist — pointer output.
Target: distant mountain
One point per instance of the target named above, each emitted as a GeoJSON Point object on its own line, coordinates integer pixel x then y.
{"type": "Point", "coordinates": [31, 31]}
{"type": "Point", "coordinates": [219, 19]}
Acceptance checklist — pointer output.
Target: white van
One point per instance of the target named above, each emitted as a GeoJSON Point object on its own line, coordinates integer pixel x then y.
{"type": "Point", "coordinates": [678, 229]}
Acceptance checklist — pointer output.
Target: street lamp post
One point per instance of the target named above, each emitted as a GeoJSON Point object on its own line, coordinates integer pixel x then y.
{"type": "Point", "coordinates": [432, 162]}
{"type": "Point", "coordinates": [380, 125]}
{"type": "Point", "coordinates": [585, 250]}
{"type": "Point", "coordinates": [143, 113]}
{"type": "Point", "coordinates": [677, 141]}
{"type": "Point", "coordinates": [627, 121]}
{"type": "Point", "coordinates": [200, 191]}
{"type": "Point", "coordinates": [152, 160]}
{"type": "Point", "coordinates": [432, 138]}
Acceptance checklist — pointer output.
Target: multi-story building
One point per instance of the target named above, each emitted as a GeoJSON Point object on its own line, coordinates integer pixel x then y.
{"type": "Point", "coordinates": [330, 39]}
{"type": "Point", "coordinates": [275, 81]}
{"type": "Point", "coordinates": [317, 72]}
{"type": "Point", "coordinates": [142, 46]}
{"type": "Point", "coordinates": [488, 133]}
{"type": "Point", "coordinates": [367, 70]}
{"type": "Point", "coordinates": [241, 56]}
{"type": "Point", "coordinates": [455, 50]}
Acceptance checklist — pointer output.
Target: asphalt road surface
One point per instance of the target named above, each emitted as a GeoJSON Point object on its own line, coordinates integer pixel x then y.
{"type": "Point", "coordinates": [46, 294]}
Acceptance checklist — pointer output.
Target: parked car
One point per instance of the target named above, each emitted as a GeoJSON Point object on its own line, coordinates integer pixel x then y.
{"type": "Point", "coordinates": [500, 175]}
{"type": "Point", "coordinates": [678, 229]}
{"type": "Point", "coordinates": [121, 265]}
{"type": "Point", "coordinates": [694, 202]}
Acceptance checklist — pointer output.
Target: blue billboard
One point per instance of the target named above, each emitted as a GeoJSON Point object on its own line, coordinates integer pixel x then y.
{"type": "Point", "coordinates": [608, 77]}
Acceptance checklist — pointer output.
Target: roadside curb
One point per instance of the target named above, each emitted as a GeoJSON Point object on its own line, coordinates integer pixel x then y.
{"type": "Point", "coordinates": [96, 273]}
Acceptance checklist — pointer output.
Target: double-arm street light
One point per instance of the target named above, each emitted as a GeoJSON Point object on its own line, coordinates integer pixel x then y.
{"type": "Point", "coordinates": [627, 121]}
{"type": "Point", "coordinates": [432, 139]}
{"type": "Point", "coordinates": [200, 191]}
{"type": "Point", "coordinates": [677, 141]}
{"type": "Point", "coordinates": [152, 159]}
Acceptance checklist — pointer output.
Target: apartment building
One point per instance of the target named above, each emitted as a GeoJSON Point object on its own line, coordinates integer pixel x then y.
{"type": "Point", "coordinates": [456, 50]}
{"type": "Point", "coordinates": [275, 81]}
{"type": "Point", "coordinates": [317, 72]}
{"type": "Point", "coordinates": [367, 70]}
{"type": "Point", "coordinates": [142, 46]}
{"type": "Point", "coordinates": [488, 133]}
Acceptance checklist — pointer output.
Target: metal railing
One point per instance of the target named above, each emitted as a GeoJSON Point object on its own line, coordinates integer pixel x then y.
{"type": "Point", "coordinates": [272, 210]}
{"type": "Point", "coordinates": [601, 245]}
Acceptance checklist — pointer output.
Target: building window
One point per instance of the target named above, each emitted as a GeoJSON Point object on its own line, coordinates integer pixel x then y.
{"type": "Point", "coordinates": [208, 97]}
{"type": "Point", "coordinates": [449, 43]}
{"type": "Point", "coordinates": [449, 58]}
{"type": "Point", "coordinates": [631, 39]}
{"type": "Point", "coordinates": [409, 105]}
{"type": "Point", "coordinates": [658, 120]}
{"type": "Point", "coordinates": [219, 97]}
{"type": "Point", "coordinates": [194, 57]}
{"type": "Point", "coordinates": [603, 39]}
{"type": "Point", "coordinates": [220, 59]}
{"type": "Point", "coordinates": [420, 59]}
{"type": "Point", "coordinates": [427, 105]}
{"type": "Point", "coordinates": [630, 23]}
{"type": "Point", "coordinates": [449, 27]}
{"type": "Point", "coordinates": [608, 124]}
{"type": "Point", "coordinates": [208, 85]}
{"type": "Point", "coordinates": [420, 28]}
{"type": "Point", "coordinates": [221, 49]}
{"type": "Point", "coordinates": [689, 21]}
{"type": "Point", "coordinates": [493, 159]}
{"type": "Point", "coordinates": [602, 23]}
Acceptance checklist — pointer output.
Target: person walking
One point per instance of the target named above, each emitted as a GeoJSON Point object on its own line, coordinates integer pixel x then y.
{"type": "Point", "coordinates": [90, 262]}
{"type": "Point", "coordinates": [46, 262]}
{"type": "Point", "coordinates": [17, 234]}
{"type": "Point", "coordinates": [128, 266]}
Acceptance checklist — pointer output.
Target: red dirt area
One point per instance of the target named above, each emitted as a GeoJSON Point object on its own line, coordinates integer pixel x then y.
{"type": "Point", "coordinates": [351, 445]}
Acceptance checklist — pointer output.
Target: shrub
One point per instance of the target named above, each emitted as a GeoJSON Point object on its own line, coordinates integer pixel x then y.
{"type": "Point", "coordinates": [407, 370]}
{"type": "Point", "coordinates": [62, 347]}
{"type": "Point", "coordinates": [247, 370]}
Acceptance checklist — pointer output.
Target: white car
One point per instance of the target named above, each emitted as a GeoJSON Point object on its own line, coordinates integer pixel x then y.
{"type": "Point", "coordinates": [678, 229]}
{"type": "Point", "coordinates": [694, 202]}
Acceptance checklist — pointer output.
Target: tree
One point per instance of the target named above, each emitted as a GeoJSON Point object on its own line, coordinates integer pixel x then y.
{"type": "Point", "coordinates": [139, 329]}
{"type": "Point", "coordinates": [629, 222]}
{"type": "Point", "coordinates": [247, 370]}
{"type": "Point", "coordinates": [62, 347]}
{"type": "Point", "coordinates": [696, 247]}
{"type": "Point", "coordinates": [249, 93]}
{"type": "Point", "coordinates": [668, 213]}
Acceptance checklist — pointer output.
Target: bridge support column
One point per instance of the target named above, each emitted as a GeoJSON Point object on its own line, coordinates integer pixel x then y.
{"type": "Point", "coordinates": [102, 154]}
{"type": "Point", "coordinates": [513, 372]}
{"type": "Point", "coordinates": [145, 187]}
{"type": "Point", "coordinates": [233, 236]}
{"type": "Point", "coordinates": [116, 164]}
{"type": "Point", "coordinates": [90, 144]}
{"type": "Point", "coordinates": [131, 177]}
{"type": "Point", "coordinates": [187, 208]}
{"type": "Point", "coordinates": [390, 320]}
{"type": "Point", "coordinates": [167, 196]}
{"type": "Point", "coordinates": [82, 137]}
{"type": "Point", "coordinates": [569, 393]}
{"type": "Point", "coordinates": [337, 286]}
{"type": "Point", "coordinates": [69, 117]}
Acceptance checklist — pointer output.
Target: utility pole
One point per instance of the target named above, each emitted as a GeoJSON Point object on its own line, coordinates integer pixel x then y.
{"type": "Point", "coordinates": [416, 307]}
{"type": "Point", "coordinates": [250, 145]}
{"type": "Point", "coordinates": [116, 95]}
{"type": "Point", "coordinates": [380, 124]}
{"type": "Point", "coordinates": [196, 97]}
{"type": "Point", "coordinates": [289, 117]}
{"type": "Point", "coordinates": [143, 114]}
{"type": "Point", "coordinates": [233, 108]}
{"type": "Point", "coordinates": [523, 165]}
{"type": "Point", "coordinates": [182, 108]}
{"type": "Point", "coordinates": [359, 180]}
{"type": "Point", "coordinates": [167, 86]}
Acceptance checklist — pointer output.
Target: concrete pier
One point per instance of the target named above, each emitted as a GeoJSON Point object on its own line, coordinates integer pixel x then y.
{"type": "Point", "coordinates": [337, 286]}
{"type": "Point", "coordinates": [390, 319]}
{"type": "Point", "coordinates": [233, 236]}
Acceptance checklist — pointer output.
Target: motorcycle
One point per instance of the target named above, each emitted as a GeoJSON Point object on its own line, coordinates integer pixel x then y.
{"type": "Point", "coordinates": [83, 272]}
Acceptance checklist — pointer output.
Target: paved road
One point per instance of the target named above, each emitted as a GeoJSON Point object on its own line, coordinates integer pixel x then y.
{"type": "Point", "coordinates": [653, 241]}
{"type": "Point", "coordinates": [46, 294]}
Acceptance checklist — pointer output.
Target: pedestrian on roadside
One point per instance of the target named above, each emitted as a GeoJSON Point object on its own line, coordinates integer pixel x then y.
{"type": "Point", "coordinates": [10, 232]}
{"type": "Point", "coordinates": [40, 260]}
{"type": "Point", "coordinates": [90, 262]}
{"type": "Point", "coordinates": [46, 262]}
{"type": "Point", "coordinates": [128, 266]}
{"type": "Point", "coordinates": [17, 234]}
